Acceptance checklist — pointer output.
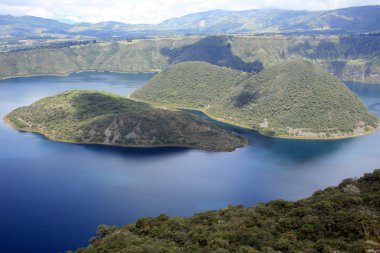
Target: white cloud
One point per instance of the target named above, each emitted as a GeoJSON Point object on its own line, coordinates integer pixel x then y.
{"type": "Point", "coordinates": [153, 11]}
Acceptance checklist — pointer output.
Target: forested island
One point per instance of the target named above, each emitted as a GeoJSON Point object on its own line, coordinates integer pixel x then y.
{"type": "Point", "coordinates": [344, 218]}
{"type": "Point", "coordinates": [294, 98]}
{"type": "Point", "coordinates": [93, 117]}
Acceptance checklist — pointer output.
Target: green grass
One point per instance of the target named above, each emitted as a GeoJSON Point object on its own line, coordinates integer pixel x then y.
{"type": "Point", "coordinates": [294, 98]}
{"type": "Point", "coordinates": [345, 218]}
{"type": "Point", "coordinates": [105, 118]}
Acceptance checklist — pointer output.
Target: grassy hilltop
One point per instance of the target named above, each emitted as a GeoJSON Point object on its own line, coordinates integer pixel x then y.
{"type": "Point", "coordinates": [104, 118]}
{"type": "Point", "coordinates": [345, 218]}
{"type": "Point", "coordinates": [294, 98]}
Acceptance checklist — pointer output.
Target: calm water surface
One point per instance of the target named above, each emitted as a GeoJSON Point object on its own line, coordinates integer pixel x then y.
{"type": "Point", "coordinates": [53, 195]}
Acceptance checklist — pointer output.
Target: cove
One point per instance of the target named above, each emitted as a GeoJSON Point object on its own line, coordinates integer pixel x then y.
{"type": "Point", "coordinates": [53, 195]}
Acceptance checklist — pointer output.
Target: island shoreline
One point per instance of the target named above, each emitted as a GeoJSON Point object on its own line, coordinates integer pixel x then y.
{"type": "Point", "coordinates": [9, 123]}
{"type": "Point", "coordinates": [153, 71]}
{"type": "Point", "coordinates": [78, 72]}
{"type": "Point", "coordinates": [290, 137]}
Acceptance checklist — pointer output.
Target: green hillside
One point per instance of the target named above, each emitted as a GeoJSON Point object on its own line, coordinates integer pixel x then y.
{"type": "Point", "coordinates": [348, 58]}
{"type": "Point", "coordinates": [292, 99]}
{"type": "Point", "coordinates": [345, 218]}
{"type": "Point", "coordinates": [190, 85]}
{"type": "Point", "coordinates": [102, 118]}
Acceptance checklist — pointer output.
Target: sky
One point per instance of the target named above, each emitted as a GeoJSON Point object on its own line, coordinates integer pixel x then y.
{"type": "Point", "coordinates": [154, 11]}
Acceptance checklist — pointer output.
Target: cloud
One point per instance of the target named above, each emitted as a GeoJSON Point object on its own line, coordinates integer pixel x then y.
{"type": "Point", "coordinates": [153, 11]}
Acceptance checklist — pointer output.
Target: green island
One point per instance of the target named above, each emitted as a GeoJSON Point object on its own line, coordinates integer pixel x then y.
{"type": "Point", "coordinates": [294, 98]}
{"type": "Point", "coordinates": [345, 218]}
{"type": "Point", "coordinates": [94, 117]}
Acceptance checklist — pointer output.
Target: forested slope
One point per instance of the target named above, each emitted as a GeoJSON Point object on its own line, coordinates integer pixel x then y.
{"type": "Point", "coordinates": [345, 218]}
{"type": "Point", "coordinates": [294, 98]}
{"type": "Point", "coordinates": [348, 58]}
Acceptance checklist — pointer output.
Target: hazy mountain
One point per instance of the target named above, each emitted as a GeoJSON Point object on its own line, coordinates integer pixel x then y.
{"type": "Point", "coordinates": [11, 26]}
{"type": "Point", "coordinates": [353, 19]}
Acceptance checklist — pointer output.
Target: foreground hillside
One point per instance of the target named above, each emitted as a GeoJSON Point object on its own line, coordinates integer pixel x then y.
{"type": "Point", "coordinates": [345, 218]}
{"type": "Point", "coordinates": [349, 58]}
{"type": "Point", "coordinates": [292, 99]}
{"type": "Point", "coordinates": [103, 118]}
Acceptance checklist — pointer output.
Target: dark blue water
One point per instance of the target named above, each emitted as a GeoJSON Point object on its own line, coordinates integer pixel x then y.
{"type": "Point", "coordinates": [53, 195]}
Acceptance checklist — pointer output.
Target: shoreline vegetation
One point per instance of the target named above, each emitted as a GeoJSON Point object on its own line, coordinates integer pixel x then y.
{"type": "Point", "coordinates": [153, 71]}
{"type": "Point", "coordinates": [81, 71]}
{"type": "Point", "coordinates": [252, 129]}
{"type": "Point", "coordinates": [44, 135]}
{"type": "Point", "coordinates": [342, 218]}
{"type": "Point", "coordinates": [102, 118]}
{"type": "Point", "coordinates": [9, 123]}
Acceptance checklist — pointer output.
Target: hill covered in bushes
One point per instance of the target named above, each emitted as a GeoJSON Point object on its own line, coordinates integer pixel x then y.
{"type": "Point", "coordinates": [345, 218]}
{"type": "Point", "coordinates": [95, 117]}
{"type": "Point", "coordinates": [292, 99]}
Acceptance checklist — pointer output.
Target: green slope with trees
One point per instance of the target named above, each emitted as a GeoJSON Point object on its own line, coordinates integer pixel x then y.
{"type": "Point", "coordinates": [95, 117]}
{"type": "Point", "coordinates": [345, 218]}
{"type": "Point", "coordinates": [292, 99]}
{"type": "Point", "coordinates": [355, 58]}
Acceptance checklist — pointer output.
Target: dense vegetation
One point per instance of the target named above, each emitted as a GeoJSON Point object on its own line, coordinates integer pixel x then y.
{"type": "Point", "coordinates": [104, 118]}
{"type": "Point", "coordinates": [345, 218]}
{"type": "Point", "coordinates": [191, 85]}
{"type": "Point", "coordinates": [355, 58]}
{"type": "Point", "coordinates": [293, 98]}
{"type": "Point", "coordinates": [55, 45]}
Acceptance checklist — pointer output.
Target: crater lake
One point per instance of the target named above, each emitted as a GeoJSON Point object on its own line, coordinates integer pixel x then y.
{"type": "Point", "coordinates": [53, 195]}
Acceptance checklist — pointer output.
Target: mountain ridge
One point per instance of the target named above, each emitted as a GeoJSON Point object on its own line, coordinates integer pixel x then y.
{"type": "Point", "coordinates": [344, 20]}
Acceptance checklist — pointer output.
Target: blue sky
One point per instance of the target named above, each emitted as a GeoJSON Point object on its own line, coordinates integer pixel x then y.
{"type": "Point", "coordinates": [154, 11]}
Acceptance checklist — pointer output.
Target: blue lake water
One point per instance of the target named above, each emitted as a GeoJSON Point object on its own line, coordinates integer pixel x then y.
{"type": "Point", "coordinates": [53, 195]}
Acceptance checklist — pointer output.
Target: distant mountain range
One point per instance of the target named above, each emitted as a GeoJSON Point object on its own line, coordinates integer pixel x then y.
{"type": "Point", "coordinates": [346, 20]}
